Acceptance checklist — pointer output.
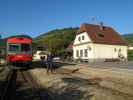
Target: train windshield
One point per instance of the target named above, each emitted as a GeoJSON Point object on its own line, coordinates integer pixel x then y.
{"type": "Point", "coordinates": [14, 47]}
{"type": "Point", "coordinates": [25, 47]}
{"type": "Point", "coordinates": [17, 48]}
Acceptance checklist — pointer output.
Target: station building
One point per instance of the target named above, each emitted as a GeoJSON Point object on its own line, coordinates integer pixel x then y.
{"type": "Point", "coordinates": [94, 43]}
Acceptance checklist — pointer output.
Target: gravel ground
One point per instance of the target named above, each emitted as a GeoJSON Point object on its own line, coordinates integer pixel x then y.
{"type": "Point", "coordinates": [77, 82]}
{"type": "Point", "coordinates": [3, 73]}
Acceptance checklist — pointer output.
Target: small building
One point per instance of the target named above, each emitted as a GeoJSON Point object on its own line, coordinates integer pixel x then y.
{"type": "Point", "coordinates": [39, 51]}
{"type": "Point", "coordinates": [130, 47]}
{"type": "Point", "coordinates": [37, 56]}
{"type": "Point", "coordinates": [94, 43]}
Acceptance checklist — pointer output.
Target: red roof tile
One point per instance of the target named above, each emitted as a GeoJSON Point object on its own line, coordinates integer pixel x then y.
{"type": "Point", "coordinates": [102, 34]}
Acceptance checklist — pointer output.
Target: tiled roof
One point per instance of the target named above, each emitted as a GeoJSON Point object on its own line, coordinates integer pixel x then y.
{"type": "Point", "coordinates": [102, 34]}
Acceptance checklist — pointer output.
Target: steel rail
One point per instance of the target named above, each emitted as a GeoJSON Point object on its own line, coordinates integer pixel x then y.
{"type": "Point", "coordinates": [35, 86]}
{"type": "Point", "coordinates": [9, 89]}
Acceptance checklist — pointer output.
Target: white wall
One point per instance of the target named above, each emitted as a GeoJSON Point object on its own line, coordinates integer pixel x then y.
{"type": "Point", "coordinates": [86, 39]}
{"type": "Point", "coordinates": [102, 51]}
{"type": "Point", "coordinates": [83, 47]}
{"type": "Point", "coordinates": [98, 51]}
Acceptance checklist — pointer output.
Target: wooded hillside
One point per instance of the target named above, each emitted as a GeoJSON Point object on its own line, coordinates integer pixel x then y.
{"type": "Point", "coordinates": [56, 40]}
{"type": "Point", "coordinates": [59, 39]}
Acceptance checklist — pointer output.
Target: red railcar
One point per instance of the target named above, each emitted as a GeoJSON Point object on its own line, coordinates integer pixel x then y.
{"type": "Point", "coordinates": [19, 50]}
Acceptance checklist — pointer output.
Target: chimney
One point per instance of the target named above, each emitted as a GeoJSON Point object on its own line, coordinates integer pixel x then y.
{"type": "Point", "coordinates": [101, 26]}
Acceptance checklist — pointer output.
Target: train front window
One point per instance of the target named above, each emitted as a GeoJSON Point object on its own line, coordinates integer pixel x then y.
{"type": "Point", "coordinates": [25, 47]}
{"type": "Point", "coordinates": [14, 47]}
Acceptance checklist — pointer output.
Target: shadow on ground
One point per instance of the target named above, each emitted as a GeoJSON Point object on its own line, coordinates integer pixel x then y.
{"type": "Point", "coordinates": [69, 88]}
{"type": "Point", "coordinates": [2, 84]}
{"type": "Point", "coordinates": [70, 92]}
{"type": "Point", "coordinates": [27, 93]}
{"type": "Point", "coordinates": [56, 65]}
{"type": "Point", "coordinates": [74, 88]}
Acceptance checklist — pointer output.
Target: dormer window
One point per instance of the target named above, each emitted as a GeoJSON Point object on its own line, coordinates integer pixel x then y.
{"type": "Point", "coordinates": [83, 37]}
{"type": "Point", "coordinates": [101, 35]}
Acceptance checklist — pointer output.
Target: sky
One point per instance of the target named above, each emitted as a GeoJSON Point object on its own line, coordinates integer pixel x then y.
{"type": "Point", "coordinates": [34, 17]}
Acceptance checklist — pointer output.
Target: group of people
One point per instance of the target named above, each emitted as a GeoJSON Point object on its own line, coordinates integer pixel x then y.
{"type": "Point", "coordinates": [48, 62]}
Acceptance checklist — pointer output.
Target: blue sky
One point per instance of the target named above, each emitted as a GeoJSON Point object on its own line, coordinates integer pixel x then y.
{"type": "Point", "coordinates": [34, 17]}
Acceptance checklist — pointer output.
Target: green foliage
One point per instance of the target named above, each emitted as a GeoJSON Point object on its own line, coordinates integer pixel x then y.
{"type": "Point", "coordinates": [57, 40]}
{"type": "Point", "coordinates": [130, 55]}
{"type": "Point", "coordinates": [129, 38]}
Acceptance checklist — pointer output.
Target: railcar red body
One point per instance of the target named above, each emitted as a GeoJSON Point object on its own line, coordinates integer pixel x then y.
{"type": "Point", "coordinates": [19, 50]}
{"type": "Point", "coordinates": [19, 57]}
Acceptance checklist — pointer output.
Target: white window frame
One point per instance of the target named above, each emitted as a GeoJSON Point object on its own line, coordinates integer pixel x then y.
{"type": "Point", "coordinates": [77, 53]}
{"type": "Point", "coordinates": [83, 37]}
{"type": "Point", "coordinates": [86, 52]}
{"type": "Point", "coordinates": [81, 53]}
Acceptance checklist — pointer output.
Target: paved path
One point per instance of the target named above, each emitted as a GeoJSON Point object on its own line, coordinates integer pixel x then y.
{"type": "Point", "coordinates": [128, 65]}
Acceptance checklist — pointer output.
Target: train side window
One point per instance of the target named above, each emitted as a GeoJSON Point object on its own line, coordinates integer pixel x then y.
{"type": "Point", "coordinates": [25, 47]}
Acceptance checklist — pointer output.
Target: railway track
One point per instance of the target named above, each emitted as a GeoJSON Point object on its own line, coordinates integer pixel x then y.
{"type": "Point", "coordinates": [26, 88]}
{"type": "Point", "coordinates": [20, 85]}
{"type": "Point", "coordinates": [9, 85]}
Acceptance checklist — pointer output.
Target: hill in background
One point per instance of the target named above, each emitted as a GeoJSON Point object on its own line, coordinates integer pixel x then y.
{"type": "Point", "coordinates": [129, 38]}
{"type": "Point", "coordinates": [59, 39]}
{"type": "Point", "coordinates": [56, 40]}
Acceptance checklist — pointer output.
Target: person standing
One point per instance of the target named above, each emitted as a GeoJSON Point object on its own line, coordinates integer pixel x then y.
{"type": "Point", "coordinates": [49, 62]}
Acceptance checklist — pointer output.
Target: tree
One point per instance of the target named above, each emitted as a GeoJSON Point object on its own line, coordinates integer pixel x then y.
{"type": "Point", "coordinates": [57, 40]}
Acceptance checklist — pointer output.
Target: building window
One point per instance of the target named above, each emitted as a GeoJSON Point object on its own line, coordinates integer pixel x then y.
{"type": "Point", "coordinates": [81, 53]}
{"type": "Point", "coordinates": [77, 53]}
{"type": "Point", "coordinates": [86, 52]}
{"type": "Point", "coordinates": [79, 38]}
{"type": "Point", "coordinates": [83, 37]}
{"type": "Point", "coordinates": [120, 50]}
{"type": "Point", "coordinates": [115, 49]}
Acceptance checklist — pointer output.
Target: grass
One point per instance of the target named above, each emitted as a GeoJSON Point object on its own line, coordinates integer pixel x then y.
{"type": "Point", "coordinates": [130, 55]}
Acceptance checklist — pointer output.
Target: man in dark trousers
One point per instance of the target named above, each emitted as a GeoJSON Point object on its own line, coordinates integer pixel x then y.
{"type": "Point", "coordinates": [49, 62]}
